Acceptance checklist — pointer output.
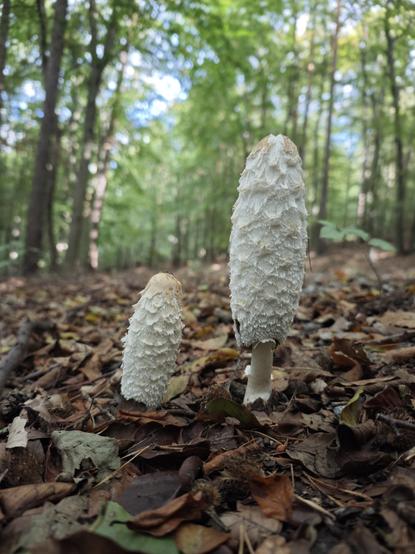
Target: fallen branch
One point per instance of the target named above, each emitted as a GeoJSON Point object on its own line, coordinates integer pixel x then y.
{"type": "Point", "coordinates": [395, 423]}
{"type": "Point", "coordinates": [20, 350]}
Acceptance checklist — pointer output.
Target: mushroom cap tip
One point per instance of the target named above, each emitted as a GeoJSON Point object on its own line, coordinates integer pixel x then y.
{"type": "Point", "coordinates": [265, 144]}
{"type": "Point", "coordinates": [164, 282]}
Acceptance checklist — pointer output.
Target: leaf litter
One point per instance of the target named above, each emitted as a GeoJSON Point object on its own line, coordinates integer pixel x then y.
{"type": "Point", "coordinates": [328, 465]}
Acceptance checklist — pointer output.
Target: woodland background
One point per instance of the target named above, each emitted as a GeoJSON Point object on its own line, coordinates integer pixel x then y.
{"type": "Point", "coordinates": [125, 124]}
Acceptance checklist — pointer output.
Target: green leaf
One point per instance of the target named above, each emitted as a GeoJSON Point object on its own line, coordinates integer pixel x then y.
{"type": "Point", "coordinates": [331, 233]}
{"type": "Point", "coordinates": [224, 407]}
{"type": "Point", "coordinates": [382, 245]}
{"type": "Point", "coordinates": [113, 525]}
{"type": "Point", "coordinates": [357, 232]}
{"type": "Point", "coordinates": [351, 412]}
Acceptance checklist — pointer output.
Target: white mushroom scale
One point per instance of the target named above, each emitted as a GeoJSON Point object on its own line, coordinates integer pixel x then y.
{"type": "Point", "coordinates": [152, 341]}
{"type": "Point", "coordinates": [267, 253]}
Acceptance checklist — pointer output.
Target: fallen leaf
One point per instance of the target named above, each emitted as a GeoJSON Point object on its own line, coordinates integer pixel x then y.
{"type": "Point", "coordinates": [350, 414]}
{"type": "Point", "coordinates": [114, 525]}
{"type": "Point", "coordinates": [198, 539]}
{"type": "Point", "coordinates": [18, 436]}
{"type": "Point", "coordinates": [216, 359]}
{"type": "Point", "coordinates": [176, 386]}
{"type": "Point", "coordinates": [256, 524]}
{"type": "Point", "coordinates": [223, 407]}
{"type": "Point", "coordinates": [274, 495]}
{"type": "Point", "coordinates": [219, 461]}
{"type": "Point", "coordinates": [399, 318]}
{"type": "Point", "coordinates": [164, 520]}
{"type": "Point", "coordinates": [211, 344]}
{"type": "Point", "coordinates": [76, 447]}
{"type": "Point", "coordinates": [316, 455]}
{"type": "Point", "coordinates": [18, 499]}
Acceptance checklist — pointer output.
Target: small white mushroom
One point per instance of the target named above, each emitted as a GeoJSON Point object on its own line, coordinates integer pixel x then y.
{"type": "Point", "coordinates": [267, 251]}
{"type": "Point", "coordinates": [152, 341]}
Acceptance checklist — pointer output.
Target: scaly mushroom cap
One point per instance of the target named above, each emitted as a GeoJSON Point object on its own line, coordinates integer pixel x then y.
{"type": "Point", "coordinates": [268, 242]}
{"type": "Point", "coordinates": [152, 341]}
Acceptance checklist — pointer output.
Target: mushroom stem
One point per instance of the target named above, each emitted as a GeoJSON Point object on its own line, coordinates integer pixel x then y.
{"type": "Point", "coordinates": [259, 378]}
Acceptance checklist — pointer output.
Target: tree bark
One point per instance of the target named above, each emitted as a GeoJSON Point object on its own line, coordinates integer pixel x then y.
{"type": "Point", "coordinates": [310, 74]}
{"type": "Point", "coordinates": [102, 176]}
{"type": "Point", "coordinates": [38, 197]}
{"type": "Point", "coordinates": [94, 83]}
{"type": "Point", "coordinates": [327, 148]}
{"type": "Point", "coordinates": [4, 33]}
{"type": "Point", "coordinates": [362, 206]}
{"type": "Point", "coordinates": [291, 118]}
{"type": "Point", "coordinates": [397, 128]}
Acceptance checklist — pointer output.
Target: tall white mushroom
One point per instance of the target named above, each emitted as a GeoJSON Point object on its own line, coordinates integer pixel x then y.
{"type": "Point", "coordinates": [152, 341]}
{"type": "Point", "coordinates": [267, 253]}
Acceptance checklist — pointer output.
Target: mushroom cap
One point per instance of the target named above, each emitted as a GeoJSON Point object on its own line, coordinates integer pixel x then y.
{"type": "Point", "coordinates": [165, 283]}
{"type": "Point", "coordinates": [152, 341]}
{"type": "Point", "coordinates": [268, 242]}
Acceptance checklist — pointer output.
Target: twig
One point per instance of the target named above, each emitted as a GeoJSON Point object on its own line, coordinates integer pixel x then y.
{"type": "Point", "coordinates": [241, 539]}
{"type": "Point", "coordinates": [315, 507]}
{"type": "Point", "coordinates": [114, 473]}
{"type": "Point", "coordinates": [396, 422]}
{"type": "Point", "coordinates": [248, 542]}
{"type": "Point", "coordinates": [20, 350]}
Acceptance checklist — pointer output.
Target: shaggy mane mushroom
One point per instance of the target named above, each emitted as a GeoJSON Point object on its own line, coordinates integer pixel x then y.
{"type": "Point", "coordinates": [152, 341]}
{"type": "Point", "coordinates": [267, 251]}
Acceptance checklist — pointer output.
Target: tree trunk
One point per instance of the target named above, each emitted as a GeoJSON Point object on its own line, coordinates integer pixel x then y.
{"type": "Point", "coordinates": [39, 192]}
{"type": "Point", "coordinates": [397, 128]}
{"type": "Point", "coordinates": [291, 118]}
{"type": "Point", "coordinates": [50, 227]}
{"type": "Point", "coordinates": [95, 78]}
{"type": "Point", "coordinates": [102, 176]}
{"type": "Point", "coordinates": [322, 214]}
{"type": "Point", "coordinates": [310, 74]}
{"type": "Point", "coordinates": [364, 183]}
{"type": "Point", "coordinates": [4, 33]}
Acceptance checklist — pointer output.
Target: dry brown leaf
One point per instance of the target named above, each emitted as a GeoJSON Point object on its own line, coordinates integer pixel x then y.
{"type": "Point", "coordinates": [198, 539]}
{"type": "Point", "coordinates": [274, 495]}
{"type": "Point", "coordinates": [164, 520]}
{"type": "Point", "coordinates": [176, 386]}
{"type": "Point", "coordinates": [400, 355]}
{"type": "Point", "coordinates": [218, 461]}
{"type": "Point", "coordinates": [399, 318]}
{"type": "Point", "coordinates": [256, 524]}
{"type": "Point", "coordinates": [18, 499]}
{"type": "Point", "coordinates": [211, 344]}
{"type": "Point", "coordinates": [219, 357]}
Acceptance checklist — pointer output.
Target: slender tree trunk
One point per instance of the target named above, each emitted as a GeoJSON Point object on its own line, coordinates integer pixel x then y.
{"type": "Point", "coordinates": [50, 227]}
{"type": "Point", "coordinates": [307, 102]}
{"type": "Point", "coordinates": [94, 83]}
{"type": "Point", "coordinates": [397, 127]}
{"type": "Point", "coordinates": [327, 148]}
{"type": "Point", "coordinates": [39, 192]}
{"type": "Point", "coordinates": [291, 119]}
{"type": "Point", "coordinates": [4, 33]}
{"type": "Point", "coordinates": [102, 176]}
{"type": "Point", "coordinates": [55, 139]}
{"type": "Point", "coordinates": [364, 182]}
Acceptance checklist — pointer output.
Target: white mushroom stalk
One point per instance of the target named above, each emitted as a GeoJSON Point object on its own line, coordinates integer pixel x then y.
{"type": "Point", "coordinates": [267, 252]}
{"type": "Point", "coordinates": [152, 341]}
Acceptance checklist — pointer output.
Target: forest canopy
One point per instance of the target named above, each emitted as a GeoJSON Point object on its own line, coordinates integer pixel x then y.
{"type": "Point", "coordinates": [125, 125]}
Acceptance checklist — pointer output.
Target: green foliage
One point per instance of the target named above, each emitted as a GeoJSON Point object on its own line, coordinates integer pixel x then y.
{"type": "Point", "coordinates": [204, 81]}
{"type": "Point", "coordinates": [112, 524]}
{"type": "Point", "coordinates": [331, 231]}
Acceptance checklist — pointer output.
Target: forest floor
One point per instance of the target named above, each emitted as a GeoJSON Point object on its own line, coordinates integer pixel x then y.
{"type": "Point", "coordinates": [328, 466]}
